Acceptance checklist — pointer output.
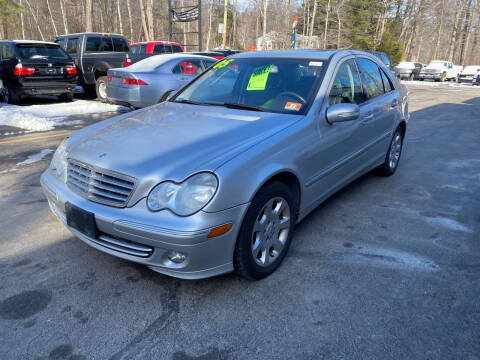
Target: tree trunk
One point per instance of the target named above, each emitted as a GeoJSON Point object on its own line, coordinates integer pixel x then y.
{"type": "Point", "coordinates": [312, 23]}
{"type": "Point", "coordinates": [339, 19]}
{"type": "Point", "coordinates": [62, 9]}
{"type": "Point", "coordinates": [22, 22]}
{"type": "Point", "coordinates": [413, 41]}
{"type": "Point", "coordinates": [234, 24]}
{"type": "Point", "coordinates": [51, 18]}
{"type": "Point", "coordinates": [35, 18]}
{"type": "Point", "coordinates": [119, 14]}
{"type": "Point", "coordinates": [453, 37]}
{"type": "Point", "coordinates": [466, 33]}
{"type": "Point", "coordinates": [144, 21]}
{"type": "Point", "coordinates": [439, 33]}
{"type": "Point", "coordinates": [264, 40]}
{"type": "Point", "coordinates": [149, 12]}
{"type": "Point", "coordinates": [88, 16]}
{"type": "Point", "coordinates": [210, 15]}
{"type": "Point", "coordinates": [130, 19]}
{"type": "Point", "coordinates": [326, 26]}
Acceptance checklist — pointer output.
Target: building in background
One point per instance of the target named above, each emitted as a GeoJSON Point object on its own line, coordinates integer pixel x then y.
{"type": "Point", "coordinates": [275, 40]}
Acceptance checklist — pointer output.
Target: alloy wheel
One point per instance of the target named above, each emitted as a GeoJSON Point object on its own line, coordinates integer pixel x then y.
{"type": "Point", "coordinates": [270, 231]}
{"type": "Point", "coordinates": [395, 150]}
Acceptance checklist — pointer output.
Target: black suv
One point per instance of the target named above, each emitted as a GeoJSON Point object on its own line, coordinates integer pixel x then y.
{"type": "Point", "coordinates": [29, 68]}
{"type": "Point", "coordinates": [94, 54]}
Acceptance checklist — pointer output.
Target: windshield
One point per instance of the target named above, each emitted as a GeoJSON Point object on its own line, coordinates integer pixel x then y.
{"type": "Point", "coordinates": [259, 84]}
{"type": "Point", "coordinates": [438, 63]}
{"type": "Point", "coordinates": [406, 65]}
{"type": "Point", "coordinates": [471, 69]}
{"type": "Point", "coordinates": [41, 51]}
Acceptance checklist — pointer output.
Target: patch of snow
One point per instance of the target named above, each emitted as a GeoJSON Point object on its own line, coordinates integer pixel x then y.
{"type": "Point", "coordinates": [449, 224]}
{"type": "Point", "coordinates": [7, 171]}
{"type": "Point", "coordinates": [35, 157]}
{"type": "Point", "coordinates": [47, 117]}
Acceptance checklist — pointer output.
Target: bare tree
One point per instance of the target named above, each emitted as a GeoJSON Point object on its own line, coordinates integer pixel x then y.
{"type": "Point", "coordinates": [35, 18]}
{"type": "Point", "coordinates": [51, 18]}
{"type": "Point", "coordinates": [88, 16]}
{"type": "Point", "coordinates": [453, 37]}
{"type": "Point", "coordinates": [130, 19]}
{"type": "Point", "coordinates": [312, 23]}
{"type": "Point", "coordinates": [265, 8]}
{"type": "Point", "coordinates": [326, 26]}
{"type": "Point", "coordinates": [64, 17]}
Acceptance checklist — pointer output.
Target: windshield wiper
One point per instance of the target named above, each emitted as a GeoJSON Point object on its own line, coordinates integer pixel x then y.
{"type": "Point", "coordinates": [241, 107]}
{"type": "Point", "coordinates": [185, 101]}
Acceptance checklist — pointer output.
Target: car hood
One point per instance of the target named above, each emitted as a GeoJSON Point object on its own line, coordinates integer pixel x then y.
{"type": "Point", "coordinates": [434, 67]}
{"type": "Point", "coordinates": [172, 141]}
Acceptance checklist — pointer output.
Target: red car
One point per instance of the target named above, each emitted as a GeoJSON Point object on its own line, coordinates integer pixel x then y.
{"type": "Point", "coordinates": [142, 50]}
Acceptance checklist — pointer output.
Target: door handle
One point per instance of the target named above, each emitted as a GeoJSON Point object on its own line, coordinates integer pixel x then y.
{"type": "Point", "coordinates": [394, 103]}
{"type": "Point", "coordinates": [368, 117]}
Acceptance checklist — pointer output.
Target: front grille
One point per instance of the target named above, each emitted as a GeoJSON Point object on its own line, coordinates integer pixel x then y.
{"type": "Point", "coordinates": [432, 71]}
{"type": "Point", "coordinates": [124, 246]}
{"type": "Point", "coordinates": [99, 185]}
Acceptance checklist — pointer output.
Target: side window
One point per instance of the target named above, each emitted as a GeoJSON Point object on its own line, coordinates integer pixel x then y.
{"type": "Point", "coordinates": [119, 44]}
{"type": "Point", "coordinates": [188, 67]}
{"type": "Point", "coordinates": [7, 53]}
{"type": "Point", "coordinates": [176, 49]}
{"type": "Point", "coordinates": [72, 46]}
{"type": "Point", "coordinates": [98, 44]}
{"type": "Point", "coordinates": [61, 42]}
{"type": "Point", "coordinates": [387, 85]}
{"type": "Point", "coordinates": [346, 86]}
{"type": "Point", "coordinates": [372, 81]}
{"type": "Point", "coordinates": [160, 49]}
{"type": "Point", "coordinates": [208, 63]}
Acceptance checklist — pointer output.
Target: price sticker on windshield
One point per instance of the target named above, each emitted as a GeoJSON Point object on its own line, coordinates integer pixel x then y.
{"type": "Point", "coordinates": [259, 77]}
{"type": "Point", "coordinates": [294, 106]}
{"type": "Point", "coordinates": [222, 63]}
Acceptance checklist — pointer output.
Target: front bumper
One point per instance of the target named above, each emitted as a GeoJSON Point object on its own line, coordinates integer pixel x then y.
{"type": "Point", "coordinates": [125, 229]}
{"type": "Point", "coordinates": [466, 79]}
{"type": "Point", "coordinates": [435, 76]}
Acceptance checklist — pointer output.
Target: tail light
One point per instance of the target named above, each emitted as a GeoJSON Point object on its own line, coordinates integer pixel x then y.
{"type": "Point", "coordinates": [21, 70]}
{"type": "Point", "coordinates": [109, 79]}
{"type": "Point", "coordinates": [128, 61]}
{"type": "Point", "coordinates": [71, 70]}
{"type": "Point", "coordinates": [129, 81]}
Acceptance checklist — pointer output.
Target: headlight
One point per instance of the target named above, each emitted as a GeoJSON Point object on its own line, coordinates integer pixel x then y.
{"type": "Point", "coordinates": [59, 161]}
{"type": "Point", "coordinates": [186, 198]}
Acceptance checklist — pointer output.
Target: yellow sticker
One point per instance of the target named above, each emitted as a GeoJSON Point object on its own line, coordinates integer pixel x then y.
{"type": "Point", "coordinates": [259, 77]}
{"type": "Point", "coordinates": [222, 63]}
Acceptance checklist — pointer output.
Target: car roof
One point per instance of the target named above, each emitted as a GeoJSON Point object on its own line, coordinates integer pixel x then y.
{"type": "Point", "coordinates": [152, 62]}
{"type": "Point", "coordinates": [32, 42]}
{"type": "Point", "coordinates": [90, 33]}
{"type": "Point", "coordinates": [155, 42]}
{"type": "Point", "coordinates": [300, 54]}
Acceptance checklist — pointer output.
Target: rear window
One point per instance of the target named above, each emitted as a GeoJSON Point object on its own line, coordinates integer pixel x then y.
{"type": "Point", "coordinates": [61, 42]}
{"type": "Point", "coordinates": [138, 49]}
{"type": "Point", "coordinates": [72, 45]}
{"type": "Point", "coordinates": [98, 44]}
{"type": "Point", "coordinates": [176, 49]}
{"type": "Point", "coordinates": [120, 45]}
{"type": "Point", "coordinates": [41, 51]}
{"type": "Point", "coordinates": [162, 49]}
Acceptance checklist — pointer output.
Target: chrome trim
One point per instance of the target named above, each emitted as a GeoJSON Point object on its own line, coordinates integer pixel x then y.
{"type": "Point", "coordinates": [99, 185]}
{"type": "Point", "coordinates": [126, 247]}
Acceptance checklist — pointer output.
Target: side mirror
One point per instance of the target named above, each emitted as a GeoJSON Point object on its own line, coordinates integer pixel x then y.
{"type": "Point", "coordinates": [342, 112]}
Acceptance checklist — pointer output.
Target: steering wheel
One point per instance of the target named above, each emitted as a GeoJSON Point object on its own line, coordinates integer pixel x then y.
{"type": "Point", "coordinates": [292, 94]}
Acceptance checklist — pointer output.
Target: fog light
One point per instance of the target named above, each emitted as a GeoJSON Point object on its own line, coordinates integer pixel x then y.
{"type": "Point", "coordinates": [176, 257]}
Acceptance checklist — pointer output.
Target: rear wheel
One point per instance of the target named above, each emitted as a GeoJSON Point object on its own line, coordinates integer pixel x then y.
{"type": "Point", "coordinates": [101, 88]}
{"type": "Point", "coordinates": [266, 232]}
{"type": "Point", "coordinates": [392, 158]}
{"type": "Point", "coordinates": [411, 77]}
{"type": "Point", "coordinates": [8, 94]}
{"type": "Point", "coordinates": [67, 97]}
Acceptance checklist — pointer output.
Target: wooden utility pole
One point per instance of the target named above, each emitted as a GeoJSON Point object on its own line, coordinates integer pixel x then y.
{"type": "Point", "coordinates": [225, 13]}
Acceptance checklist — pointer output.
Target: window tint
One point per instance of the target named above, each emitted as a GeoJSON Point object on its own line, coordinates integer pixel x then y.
{"type": "Point", "coordinates": [99, 44]}
{"type": "Point", "coordinates": [188, 67]}
{"type": "Point", "coordinates": [162, 49]}
{"type": "Point", "coordinates": [372, 81]}
{"type": "Point", "coordinates": [72, 45]}
{"type": "Point", "coordinates": [138, 49]}
{"type": "Point", "coordinates": [7, 52]}
{"type": "Point", "coordinates": [209, 63]}
{"type": "Point", "coordinates": [38, 51]}
{"type": "Point", "coordinates": [387, 85]}
{"type": "Point", "coordinates": [346, 86]}
{"type": "Point", "coordinates": [61, 42]}
{"type": "Point", "coordinates": [119, 44]}
{"type": "Point", "coordinates": [176, 49]}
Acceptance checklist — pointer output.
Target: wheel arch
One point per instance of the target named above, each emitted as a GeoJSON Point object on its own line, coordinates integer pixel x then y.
{"type": "Point", "coordinates": [100, 69]}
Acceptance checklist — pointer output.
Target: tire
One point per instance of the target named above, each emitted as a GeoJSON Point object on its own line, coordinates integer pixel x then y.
{"type": "Point", "coordinates": [265, 234]}
{"type": "Point", "coordinates": [443, 78]}
{"type": "Point", "coordinates": [411, 77]}
{"type": "Point", "coordinates": [8, 95]}
{"type": "Point", "coordinates": [67, 97]}
{"type": "Point", "coordinates": [101, 88]}
{"type": "Point", "coordinates": [394, 152]}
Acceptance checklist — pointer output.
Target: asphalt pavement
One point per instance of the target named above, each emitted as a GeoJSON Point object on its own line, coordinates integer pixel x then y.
{"type": "Point", "coordinates": [388, 268]}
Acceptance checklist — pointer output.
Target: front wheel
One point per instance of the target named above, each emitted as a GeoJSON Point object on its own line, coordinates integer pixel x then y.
{"type": "Point", "coordinates": [266, 232]}
{"type": "Point", "coordinates": [392, 158]}
{"type": "Point", "coordinates": [101, 88]}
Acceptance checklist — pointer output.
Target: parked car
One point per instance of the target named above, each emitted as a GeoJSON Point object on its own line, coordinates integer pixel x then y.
{"type": "Point", "coordinates": [226, 52]}
{"type": "Point", "coordinates": [150, 81]}
{"type": "Point", "coordinates": [215, 179]}
{"type": "Point", "coordinates": [142, 50]}
{"type": "Point", "coordinates": [408, 70]}
{"type": "Point", "coordinates": [29, 68]}
{"type": "Point", "coordinates": [214, 54]}
{"type": "Point", "coordinates": [384, 58]}
{"type": "Point", "coordinates": [469, 74]}
{"type": "Point", "coordinates": [94, 54]}
{"type": "Point", "coordinates": [438, 70]}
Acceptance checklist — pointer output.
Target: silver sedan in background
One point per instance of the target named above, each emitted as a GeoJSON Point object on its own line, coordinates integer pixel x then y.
{"type": "Point", "coordinates": [152, 80]}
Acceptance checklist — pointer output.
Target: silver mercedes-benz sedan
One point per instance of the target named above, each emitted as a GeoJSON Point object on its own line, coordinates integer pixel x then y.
{"type": "Point", "coordinates": [153, 79]}
{"type": "Point", "coordinates": [215, 179]}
